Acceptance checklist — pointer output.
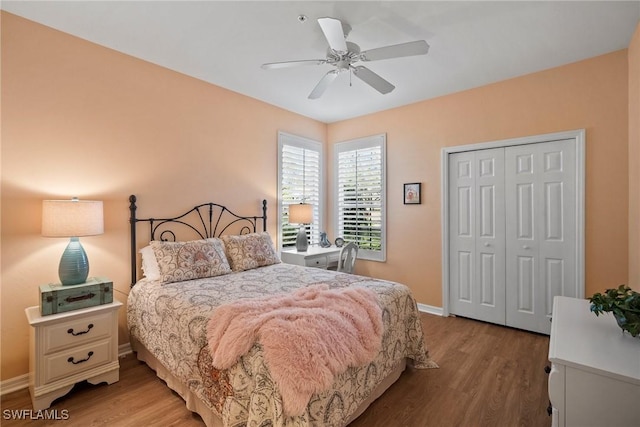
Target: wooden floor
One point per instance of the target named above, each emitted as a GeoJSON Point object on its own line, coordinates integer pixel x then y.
{"type": "Point", "coordinates": [488, 376]}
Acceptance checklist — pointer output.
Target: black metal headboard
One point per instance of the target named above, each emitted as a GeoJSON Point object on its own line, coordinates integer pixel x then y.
{"type": "Point", "coordinates": [202, 222]}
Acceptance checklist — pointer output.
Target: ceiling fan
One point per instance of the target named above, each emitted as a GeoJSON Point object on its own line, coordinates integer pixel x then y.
{"type": "Point", "coordinates": [343, 54]}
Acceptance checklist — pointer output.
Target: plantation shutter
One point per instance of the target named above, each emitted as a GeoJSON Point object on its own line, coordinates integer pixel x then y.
{"type": "Point", "coordinates": [360, 195]}
{"type": "Point", "coordinates": [300, 165]}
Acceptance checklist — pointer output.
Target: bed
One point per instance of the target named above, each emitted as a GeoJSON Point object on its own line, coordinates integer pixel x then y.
{"type": "Point", "coordinates": [171, 316]}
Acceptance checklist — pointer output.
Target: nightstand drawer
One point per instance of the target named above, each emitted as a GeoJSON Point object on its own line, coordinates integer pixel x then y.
{"type": "Point", "coordinates": [76, 332]}
{"type": "Point", "coordinates": [320, 262]}
{"type": "Point", "coordinates": [76, 360]}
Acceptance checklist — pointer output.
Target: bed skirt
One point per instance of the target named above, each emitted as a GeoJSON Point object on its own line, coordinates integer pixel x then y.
{"type": "Point", "coordinates": [210, 418]}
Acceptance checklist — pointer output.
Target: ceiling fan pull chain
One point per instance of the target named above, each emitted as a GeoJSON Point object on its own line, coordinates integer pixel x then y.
{"type": "Point", "coordinates": [350, 75]}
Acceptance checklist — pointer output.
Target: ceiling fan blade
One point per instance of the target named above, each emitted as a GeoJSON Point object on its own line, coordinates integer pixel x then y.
{"type": "Point", "coordinates": [419, 47]}
{"type": "Point", "coordinates": [334, 33]}
{"type": "Point", "coordinates": [323, 84]}
{"type": "Point", "coordinates": [372, 79]}
{"type": "Point", "coordinates": [286, 64]}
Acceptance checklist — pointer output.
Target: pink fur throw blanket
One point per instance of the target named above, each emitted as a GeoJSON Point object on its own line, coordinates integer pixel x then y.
{"type": "Point", "coordinates": [307, 337]}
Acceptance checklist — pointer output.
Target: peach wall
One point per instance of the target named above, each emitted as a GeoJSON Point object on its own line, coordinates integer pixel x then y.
{"type": "Point", "coordinates": [82, 120]}
{"type": "Point", "coordinates": [590, 94]}
{"type": "Point", "coordinates": [634, 160]}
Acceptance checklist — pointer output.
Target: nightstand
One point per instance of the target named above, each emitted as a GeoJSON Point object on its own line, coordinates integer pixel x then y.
{"type": "Point", "coordinates": [70, 347]}
{"type": "Point", "coordinates": [315, 256]}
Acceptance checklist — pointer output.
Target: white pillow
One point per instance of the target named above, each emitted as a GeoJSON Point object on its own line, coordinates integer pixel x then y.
{"type": "Point", "coordinates": [150, 267]}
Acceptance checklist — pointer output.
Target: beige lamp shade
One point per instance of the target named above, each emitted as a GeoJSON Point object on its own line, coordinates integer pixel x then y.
{"type": "Point", "coordinates": [301, 213]}
{"type": "Point", "coordinates": [72, 218]}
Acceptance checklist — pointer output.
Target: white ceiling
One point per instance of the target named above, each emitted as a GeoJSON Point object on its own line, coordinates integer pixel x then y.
{"type": "Point", "coordinates": [225, 42]}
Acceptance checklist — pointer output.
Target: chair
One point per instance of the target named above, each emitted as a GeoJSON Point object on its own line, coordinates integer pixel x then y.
{"type": "Point", "coordinates": [347, 259]}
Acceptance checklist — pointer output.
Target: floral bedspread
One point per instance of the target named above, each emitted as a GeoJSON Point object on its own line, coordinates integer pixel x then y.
{"type": "Point", "coordinates": [170, 320]}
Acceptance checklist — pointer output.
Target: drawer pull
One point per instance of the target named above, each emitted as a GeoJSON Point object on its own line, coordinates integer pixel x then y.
{"type": "Point", "coordinates": [549, 410]}
{"type": "Point", "coordinates": [547, 369]}
{"type": "Point", "coordinates": [70, 360]}
{"type": "Point", "coordinates": [75, 334]}
{"type": "Point", "coordinates": [80, 298]}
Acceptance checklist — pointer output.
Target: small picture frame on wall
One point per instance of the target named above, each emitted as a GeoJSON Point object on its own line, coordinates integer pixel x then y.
{"type": "Point", "coordinates": [412, 193]}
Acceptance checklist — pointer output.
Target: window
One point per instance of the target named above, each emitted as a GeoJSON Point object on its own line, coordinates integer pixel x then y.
{"type": "Point", "coordinates": [300, 180]}
{"type": "Point", "coordinates": [360, 190]}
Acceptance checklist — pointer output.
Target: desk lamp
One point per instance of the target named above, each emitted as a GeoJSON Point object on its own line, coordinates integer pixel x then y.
{"type": "Point", "coordinates": [301, 214]}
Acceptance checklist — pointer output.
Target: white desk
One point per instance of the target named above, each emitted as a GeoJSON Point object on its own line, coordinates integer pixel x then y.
{"type": "Point", "coordinates": [315, 256]}
{"type": "Point", "coordinates": [595, 371]}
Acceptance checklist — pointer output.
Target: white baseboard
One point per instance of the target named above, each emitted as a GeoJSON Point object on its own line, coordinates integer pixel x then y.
{"type": "Point", "coordinates": [424, 308]}
{"type": "Point", "coordinates": [22, 381]}
{"type": "Point", "coordinates": [124, 349]}
{"type": "Point", "coordinates": [14, 384]}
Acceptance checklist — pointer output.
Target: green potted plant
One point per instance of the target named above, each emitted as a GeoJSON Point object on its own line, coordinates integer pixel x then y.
{"type": "Point", "coordinates": [623, 303]}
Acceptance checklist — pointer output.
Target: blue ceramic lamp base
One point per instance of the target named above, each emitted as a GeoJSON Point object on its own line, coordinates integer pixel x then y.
{"type": "Point", "coordinates": [74, 264]}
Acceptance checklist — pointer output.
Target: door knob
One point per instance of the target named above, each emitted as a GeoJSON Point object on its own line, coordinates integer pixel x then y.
{"type": "Point", "coordinates": [487, 245]}
{"type": "Point", "coordinates": [525, 247]}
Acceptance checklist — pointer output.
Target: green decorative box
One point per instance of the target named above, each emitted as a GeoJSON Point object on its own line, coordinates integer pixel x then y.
{"type": "Point", "coordinates": [56, 298]}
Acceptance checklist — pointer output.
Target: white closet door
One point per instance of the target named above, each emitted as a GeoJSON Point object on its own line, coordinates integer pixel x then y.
{"type": "Point", "coordinates": [540, 236]}
{"type": "Point", "coordinates": [477, 235]}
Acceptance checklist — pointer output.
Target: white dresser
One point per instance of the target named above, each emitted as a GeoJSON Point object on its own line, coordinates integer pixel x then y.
{"type": "Point", "coordinates": [70, 347]}
{"type": "Point", "coordinates": [595, 369]}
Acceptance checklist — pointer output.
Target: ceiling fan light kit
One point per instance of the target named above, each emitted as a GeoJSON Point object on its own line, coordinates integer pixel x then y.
{"type": "Point", "coordinates": [343, 54]}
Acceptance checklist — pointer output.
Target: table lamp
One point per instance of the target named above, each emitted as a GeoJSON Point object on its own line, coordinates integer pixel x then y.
{"type": "Point", "coordinates": [72, 218]}
{"type": "Point", "coordinates": [301, 214]}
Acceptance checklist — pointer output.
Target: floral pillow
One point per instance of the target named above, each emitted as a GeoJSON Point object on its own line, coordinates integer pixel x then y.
{"type": "Point", "coordinates": [195, 259]}
{"type": "Point", "coordinates": [249, 251]}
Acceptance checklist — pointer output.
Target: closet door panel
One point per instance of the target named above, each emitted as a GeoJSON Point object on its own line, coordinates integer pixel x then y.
{"type": "Point", "coordinates": [554, 282]}
{"type": "Point", "coordinates": [525, 284]}
{"type": "Point", "coordinates": [525, 212]}
{"type": "Point", "coordinates": [540, 187]}
{"type": "Point", "coordinates": [465, 277]}
{"type": "Point", "coordinates": [553, 210]}
{"type": "Point", "coordinates": [488, 278]}
{"type": "Point", "coordinates": [489, 185]}
{"type": "Point", "coordinates": [462, 234]}
{"type": "Point", "coordinates": [476, 216]}
{"type": "Point", "coordinates": [558, 236]}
